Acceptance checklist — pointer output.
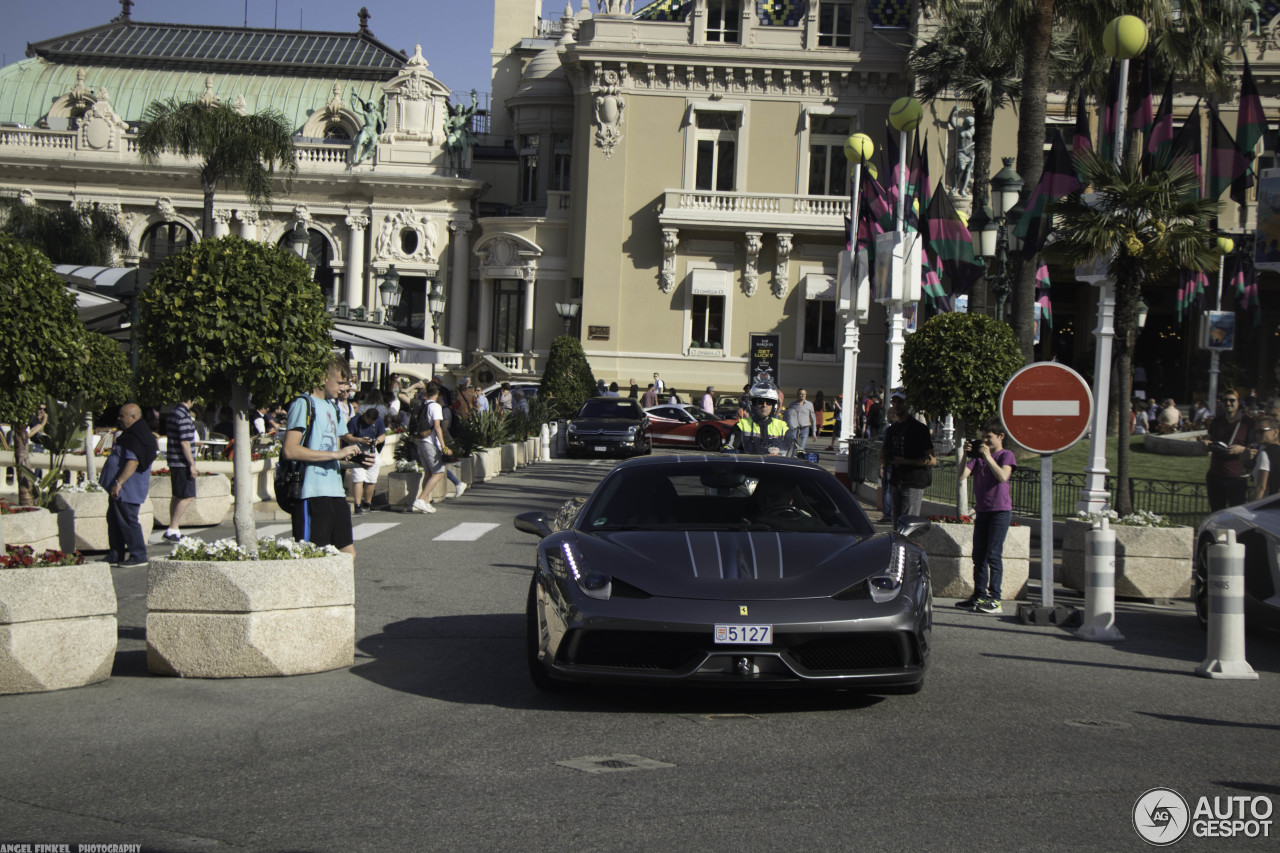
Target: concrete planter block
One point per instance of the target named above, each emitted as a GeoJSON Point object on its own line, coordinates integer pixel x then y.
{"type": "Point", "coordinates": [212, 503]}
{"type": "Point", "coordinates": [88, 516]}
{"type": "Point", "coordinates": [487, 464]}
{"type": "Point", "coordinates": [57, 627]}
{"type": "Point", "coordinates": [403, 487]}
{"type": "Point", "coordinates": [264, 482]}
{"type": "Point", "coordinates": [532, 449]}
{"type": "Point", "coordinates": [465, 470]}
{"type": "Point", "coordinates": [1151, 562]}
{"type": "Point", "coordinates": [510, 453]}
{"type": "Point", "coordinates": [387, 456]}
{"type": "Point", "coordinates": [950, 550]}
{"type": "Point", "coordinates": [250, 618]}
{"type": "Point", "coordinates": [35, 527]}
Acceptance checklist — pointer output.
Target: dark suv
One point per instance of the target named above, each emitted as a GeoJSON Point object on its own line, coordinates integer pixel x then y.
{"type": "Point", "coordinates": [609, 425]}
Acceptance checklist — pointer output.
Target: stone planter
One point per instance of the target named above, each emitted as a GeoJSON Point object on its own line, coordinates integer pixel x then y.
{"type": "Point", "coordinates": [510, 457]}
{"type": "Point", "coordinates": [465, 469]}
{"type": "Point", "coordinates": [250, 618]}
{"type": "Point", "coordinates": [1151, 562]}
{"type": "Point", "coordinates": [212, 503]}
{"type": "Point", "coordinates": [487, 464]}
{"type": "Point", "coordinates": [88, 515]}
{"type": "Point", "coordinates": [950, 550]}
{"type": "Point", "coordinates": [57, 626]}
{"type": "Point", "coordinates": [403, 487]}
{"type": "Point", "coordinates": [264, 481]}
{"type": "Point", "coordinates": [35, 527]}
{"type": "Point", "coordinates": [534, 449]}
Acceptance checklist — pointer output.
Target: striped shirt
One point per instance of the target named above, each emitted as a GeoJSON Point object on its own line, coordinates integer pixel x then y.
{"type": "Point", "coordinates": [178, 427]}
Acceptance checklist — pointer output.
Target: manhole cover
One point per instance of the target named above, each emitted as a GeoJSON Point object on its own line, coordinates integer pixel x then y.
{"type": "Point", "coordinates": [718, 718]}
{"type": "Point", "coordinates": [1088, 723]}
{"type": "Point", "coordinates": [612, 763]}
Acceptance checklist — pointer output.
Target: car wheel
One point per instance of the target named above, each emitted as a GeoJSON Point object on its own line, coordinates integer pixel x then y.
{"type": "Point", "coordinates": [537, 673]}
{"type": "Point", "coordinates": [1200, 583]}
{"type": "Point", "coordinates": [709, 439]}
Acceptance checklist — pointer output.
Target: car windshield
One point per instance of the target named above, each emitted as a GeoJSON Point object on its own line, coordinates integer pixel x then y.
{"type": "Point", "coordinates": [606, 407]}
{"type": "Point", "coordinates": [716, 495]}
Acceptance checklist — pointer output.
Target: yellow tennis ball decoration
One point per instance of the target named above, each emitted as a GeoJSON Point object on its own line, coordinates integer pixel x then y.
{"type": "Point", "coordinates": [1226, 245]}
{"type": "Point", "coordinates": [964, 217]}
{"type": "Point", "coordinates": [905, 114]}
{"type": "Point", "coordinates": [858, 148]}
{"type": "Point", "coordinates": [1125, 37]}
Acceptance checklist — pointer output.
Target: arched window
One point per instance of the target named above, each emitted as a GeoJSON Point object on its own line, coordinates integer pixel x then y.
{"type": "Point", "coordinates": [162, 240]}
{"type": "Point", "coordinates": [319, 258]}
{"type": "Point", "coordinates": [336, 131]}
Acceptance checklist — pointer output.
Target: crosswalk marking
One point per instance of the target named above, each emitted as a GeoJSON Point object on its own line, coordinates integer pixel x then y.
{"type": "Point", "coordinates": [272, 531]}
{"type": "Point", "coordinates": [364, 531]}
{"type": "Point", "coordinates": [468, 531]}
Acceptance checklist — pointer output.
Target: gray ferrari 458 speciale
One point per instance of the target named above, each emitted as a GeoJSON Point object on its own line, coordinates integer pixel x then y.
{"type": "Point", "coordinates": [728, 570]}
{"type": "Point", "coordinates": [1257, 527]}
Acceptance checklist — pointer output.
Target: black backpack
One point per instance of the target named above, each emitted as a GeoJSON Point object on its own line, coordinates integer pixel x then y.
{"type": "Point", "coordinates": [289, 473]}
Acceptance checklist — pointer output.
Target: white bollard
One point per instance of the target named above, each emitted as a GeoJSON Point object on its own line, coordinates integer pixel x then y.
{"type": "Point", "coordinates": [544, 444]}
{"type": "Point", "coordinates": [1226, 612]}
{"type": "Point", "coordinates": [1100, 585]}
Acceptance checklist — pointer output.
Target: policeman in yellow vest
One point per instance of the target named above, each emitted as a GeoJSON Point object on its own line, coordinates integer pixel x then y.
{"type": "Point", "coordinates": [763, 432]}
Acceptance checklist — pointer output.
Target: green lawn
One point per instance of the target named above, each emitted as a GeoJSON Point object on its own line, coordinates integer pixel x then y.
{"type": "Point", "coordinates": [1142, 465]}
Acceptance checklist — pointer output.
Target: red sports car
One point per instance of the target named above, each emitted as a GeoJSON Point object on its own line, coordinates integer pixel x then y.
{"type": "Point", "coordinates": [688, 426]}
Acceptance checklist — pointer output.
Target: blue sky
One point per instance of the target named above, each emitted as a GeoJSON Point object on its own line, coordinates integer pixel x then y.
{"type": "Point", "coordinates": [455, 35]}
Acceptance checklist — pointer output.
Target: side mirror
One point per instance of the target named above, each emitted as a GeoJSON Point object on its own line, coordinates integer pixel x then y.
{"type": "Point", "coordinates": [911, 526]}
{"type": "Point", "coordinates": [533, 522]}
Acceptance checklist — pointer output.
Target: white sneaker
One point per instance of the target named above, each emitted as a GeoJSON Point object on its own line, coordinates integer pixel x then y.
{"type": "Point", "coordinates": [459, 489]}
{"type": "Point", "coordinates": [422, 506]}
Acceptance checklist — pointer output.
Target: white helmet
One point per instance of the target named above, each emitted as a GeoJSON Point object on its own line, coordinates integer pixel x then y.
{"type": "Point", "coordinates": [765, 390]}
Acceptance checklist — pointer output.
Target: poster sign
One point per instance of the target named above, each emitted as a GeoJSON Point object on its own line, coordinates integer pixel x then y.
{"type": "Point", "coordinates": [1266, 253]}
{"type": "Point", "coordinates": [1218, 331]}
{"type": "Point", "coordinates": [762, 359]}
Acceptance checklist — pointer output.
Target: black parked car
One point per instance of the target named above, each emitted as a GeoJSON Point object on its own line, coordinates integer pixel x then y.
{"type": "Point", "coordinates": [609, 425]}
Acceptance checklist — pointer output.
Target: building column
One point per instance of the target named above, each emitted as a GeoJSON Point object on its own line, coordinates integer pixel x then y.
{"type": "Point", "coordinates": [248, 224]}
{"type": "Point", "coordinates": [221, 223]}
{"type": "Point", "coordinates": [484, 332]}
{"type": "Point", "coordinates": [459, 281]}
{"type": "Point", "coordinates": [526, 337]}
{"type": "Point", "coordinates": [356, 225]}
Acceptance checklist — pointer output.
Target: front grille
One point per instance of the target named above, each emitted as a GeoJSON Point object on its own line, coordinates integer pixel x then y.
{"type": "Point", "coordinates": [853, 652]}
{"type": "Point", "coordinates": [631, 649]}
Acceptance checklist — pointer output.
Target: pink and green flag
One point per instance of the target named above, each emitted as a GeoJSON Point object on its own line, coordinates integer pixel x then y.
{"type": "Point", "coordinates": [949, 242]}
{"type": "Point", "coordinates": [1251, 124]}
{"type": "Point", "coordinates": [1226, 163]}
{"type": "Point", "coordinates": [1042, 293]}
{"type": "Point", "coordinates": [1057, 181]}
{"type": "Point", "coordinates": [1160, 139]}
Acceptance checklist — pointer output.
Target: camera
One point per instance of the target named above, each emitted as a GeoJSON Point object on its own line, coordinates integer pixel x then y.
{"type": "Point", "coordinates": [972, 446]}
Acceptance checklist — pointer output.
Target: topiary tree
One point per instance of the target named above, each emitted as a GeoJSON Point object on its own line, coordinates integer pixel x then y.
{"type": "Point", "coordinates": [958, 364]}
{"type": "Point", "coordinates": [41, 342]}
{"type": "Point", "coordinates": [228, 319]}
{"type": "Point", "coordinates": [567, 377]}
{"type": "Point", "coordinates": [105, 381]}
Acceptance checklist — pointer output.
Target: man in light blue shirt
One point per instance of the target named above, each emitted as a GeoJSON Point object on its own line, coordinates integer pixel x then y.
{"type": "Point", "coordinates": [322, 516]}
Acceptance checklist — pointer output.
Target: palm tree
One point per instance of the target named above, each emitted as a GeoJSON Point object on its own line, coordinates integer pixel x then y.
{"type": "Point", "coordinates": [1149, 226]}
{"type": "Point", "coordinates": [85, 234]}
{"type": "Point", "coordinates": [231, 145]}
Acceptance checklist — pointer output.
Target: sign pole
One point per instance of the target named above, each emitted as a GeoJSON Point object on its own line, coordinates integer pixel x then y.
{"type": "Point", "coordinates": [1046, 530]}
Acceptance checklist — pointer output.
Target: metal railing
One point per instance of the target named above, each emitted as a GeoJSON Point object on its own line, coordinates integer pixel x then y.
{"type": "Point", "coordinates": [1180, 501]}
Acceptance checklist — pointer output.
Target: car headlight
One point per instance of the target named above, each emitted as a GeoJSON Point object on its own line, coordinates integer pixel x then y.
{"type": "Point", "coordinates": [631, 431]}
{"type": "Point", "coordinates": [886, 584]}
{"type": "Point", "coordinates": [573, 427]}
{"type": "Point", "coordinates": [567, 561]}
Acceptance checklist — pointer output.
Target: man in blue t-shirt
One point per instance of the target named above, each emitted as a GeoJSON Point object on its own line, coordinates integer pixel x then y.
{"type": "Point", "coordinates": [322, 516]}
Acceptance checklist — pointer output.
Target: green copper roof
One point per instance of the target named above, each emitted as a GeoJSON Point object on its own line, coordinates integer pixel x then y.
{"type": "Point", "coordinates": [30, 87]}
{"type": "Point", "coordinates": [207, 48]}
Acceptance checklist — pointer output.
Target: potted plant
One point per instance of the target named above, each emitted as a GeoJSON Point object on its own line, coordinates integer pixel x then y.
{"type": "Point", "coordinates": [1153, 555]}
{"type": "Point", "coordinates": [57, 620]}
{"type": "Point", "coordinates": [33, 526]}
{"type": "Point", "coordinates": [949, 544]}
{"type": "Point", "coordinates": [220, 610]}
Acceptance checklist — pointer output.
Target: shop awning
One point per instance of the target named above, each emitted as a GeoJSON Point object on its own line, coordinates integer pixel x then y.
{"type": "Point", "coordinates": [411, 350]}
{"type": "Point", "coordinates": [361, 349]}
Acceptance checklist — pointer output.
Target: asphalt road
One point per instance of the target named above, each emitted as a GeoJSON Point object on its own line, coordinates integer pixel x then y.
{"type": "Point", "coordinates": [1024, 738]}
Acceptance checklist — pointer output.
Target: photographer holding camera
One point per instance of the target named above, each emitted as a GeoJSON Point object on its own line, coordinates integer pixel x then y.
{"type": "Point", "coordinates": [991, 466]}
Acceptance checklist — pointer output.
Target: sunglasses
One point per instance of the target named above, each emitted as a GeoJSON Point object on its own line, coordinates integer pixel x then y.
{"type": "Point", "coordinates": [757, 401]}
{"type": "Point", "coordinates": [1231, 400]}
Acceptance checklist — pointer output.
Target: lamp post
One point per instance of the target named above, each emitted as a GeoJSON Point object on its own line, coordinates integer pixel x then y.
{"type": "Point", "coordinates": [567, 311]}
{"type": "Point", "coordinates": [854, 303]}
{"type": "Point", "coordinates": [904, 284]}
{"type": "Point", "coordinates": [1124, 39]}
{"type": "Point", "coordinates": [435, 304]}
{"type": "Point", "coordinates": [991, 229]}
{"type": "Point", "coordinates": [390, 292]}
{"type": "Point", "coordinates": [1225, 246]}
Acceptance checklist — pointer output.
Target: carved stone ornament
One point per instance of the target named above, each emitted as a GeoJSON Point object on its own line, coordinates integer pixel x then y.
{"type": "Point", "coordinates": [751, 272]}
{"type": "Point", "coordinates": [79, 94]}
{"type": "Point", "coordinates": [100, 127]}
{"type": "Point", "coordinates": [26, 197]}
{"type": "Point", "coordinates": [356, 221]}
{"type": "Point", "coordinates": [302, 213]}
{"type": "Point", "coordinates": [164, 206]}
{"type": "Point", "coordinates": [670, 240]}
{"type": "Point", "coordinates": [222, 216]}
{"type": "Point", "coordinates": [240, 105]}
{"type": "Point", "coordinates": [609, 108]}
{"type": "Point", "coordinates": [248, 217]}
{"type": "Point", "coordinates": [414, 102]}
{"type": "Point", "coordinates": [462, 227]}
{"type": "Point", "coordinates": [208, 98]}
{"type": "Point", "coordinates": [783, 268]}
{"type": "Point", "coordinates": [407, 236]}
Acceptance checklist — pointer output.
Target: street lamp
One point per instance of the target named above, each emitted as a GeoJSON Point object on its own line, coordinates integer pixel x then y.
{"type": "Point", "coordinates": [1224, 247]}
{"type": "Point", "coordinates": [1143, 311]}
{"type": "Point", "coordinates": [1124, 38]}
{"type": "Point", "coordinates": [435, 304]}
{"type": "Point", "coordinates": [567, 311]}
{"type": "Point", "coordinates": [993, 232]}
{"type": "Point", "coordinates": [904, 279]}
{"type": "Point", "coordinates": [854, 302]}
{"type": "Point", "coordinates": [390, 292]}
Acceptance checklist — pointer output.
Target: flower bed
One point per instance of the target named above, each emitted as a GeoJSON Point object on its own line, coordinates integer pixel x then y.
{"type": "Point", "coordinates": [216, 611]}
{"type": "Point", "coordinates": [1153, 557]}
{"type": "Point", "coordinates": [57, 621]}
{"type": "Point", "coordinates": [30, 525]}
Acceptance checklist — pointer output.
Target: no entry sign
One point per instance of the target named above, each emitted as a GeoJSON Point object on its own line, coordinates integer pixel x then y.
{"type": "Point", "coordinates": [1046, 407]}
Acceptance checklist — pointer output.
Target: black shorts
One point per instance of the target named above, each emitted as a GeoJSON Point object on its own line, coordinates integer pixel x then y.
{"type": "Point", "coordinates": [323, 521]}
{"type": "Point", "coordinates": [182, 483]}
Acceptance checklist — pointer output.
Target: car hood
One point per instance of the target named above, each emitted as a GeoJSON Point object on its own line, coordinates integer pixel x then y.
{"type": "Point", "coordinates": [608, 424]}
{"type": "Point", "coordinates": [724, 565]}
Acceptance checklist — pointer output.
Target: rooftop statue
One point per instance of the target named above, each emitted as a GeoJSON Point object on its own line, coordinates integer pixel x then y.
{"type": "Point", "coordinates": [375, 122]}
{"type": "Point", "coordinates": [458, 138]}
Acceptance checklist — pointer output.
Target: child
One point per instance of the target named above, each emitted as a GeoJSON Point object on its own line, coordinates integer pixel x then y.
{"type": "Point", "coordinates": [991, 466]}
{"type": "Point", "coordinates": [1266, 470]}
